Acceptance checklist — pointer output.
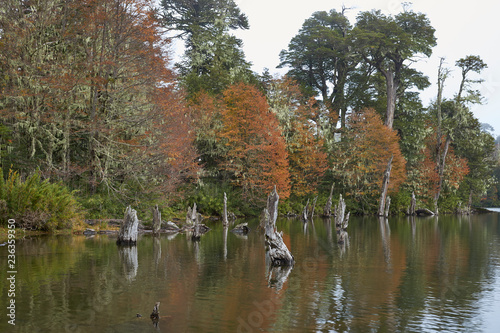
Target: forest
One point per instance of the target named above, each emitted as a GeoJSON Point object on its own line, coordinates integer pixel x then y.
{"type": "Point", "coordinates": [97, 116]}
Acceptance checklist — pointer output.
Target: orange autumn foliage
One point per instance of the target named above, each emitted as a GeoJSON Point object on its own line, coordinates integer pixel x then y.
{"type": "Point", "coordinates": [365, 150]}
{"type": "Point", "coordinates": [426, 178]}
{"type": "Point", "coordinates": [256, 157]}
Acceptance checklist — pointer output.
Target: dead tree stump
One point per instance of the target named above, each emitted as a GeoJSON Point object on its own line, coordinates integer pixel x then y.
{"type": "Point", "coordinates": [129, 228]}
{"type": "Point", "coordinates": [155, 315]}
{"type": "Point", "coordinates": [341, 221]}
{"type": "Point", "coordinates": [413, 205]}
{"type": "Point", "coordinates": [387, 206]}
{"type": "Point", "coordinates": [192, 215]}
{"type": "Point", "coordinates": [305, 212]}
{"type": "Point", "coordinates": [327, 211]}
{"type": "Point", "coordinates": [225, 221]}
{"type": "Point", "coordinates": [156, 220]}
{"type": "Point", "coordinates": [385, 187]}
{"type": "Point", "coordinates": [313, 207]}
{"type": "Point", "coordinates": [276, 248]}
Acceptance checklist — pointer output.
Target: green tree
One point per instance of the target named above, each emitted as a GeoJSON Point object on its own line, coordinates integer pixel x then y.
{"type": "Point", "coordinates": [321, 57]}
{"type": "Point", "coordinates": [213, 58]}
{"type": "Point", "coordinates": [391, 44]}
{"type": "Point", "coordinates": [86, 92]}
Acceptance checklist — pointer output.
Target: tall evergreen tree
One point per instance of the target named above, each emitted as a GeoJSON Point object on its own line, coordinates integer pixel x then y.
{"type": "Point", "coordinates": [213, 58]}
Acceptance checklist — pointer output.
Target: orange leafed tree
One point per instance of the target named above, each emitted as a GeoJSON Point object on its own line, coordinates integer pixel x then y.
{"type": "Point", "coordinates": [257, 157]}
{"type": "Point", "coordinates": [365, 150]}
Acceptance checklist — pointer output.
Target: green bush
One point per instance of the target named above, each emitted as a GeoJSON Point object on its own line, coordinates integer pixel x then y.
{"type": "Point", "coordinates": [37, 204]}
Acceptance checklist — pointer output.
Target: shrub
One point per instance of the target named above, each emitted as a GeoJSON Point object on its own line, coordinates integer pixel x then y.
{"type": "Point", "coordinates": [37, 204]}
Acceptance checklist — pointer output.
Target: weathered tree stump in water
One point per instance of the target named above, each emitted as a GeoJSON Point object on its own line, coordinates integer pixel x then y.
{"type": "Point", "coordinates": [305, 212]}
{"type": "Point", "coordinates": [387, 206]}
{"type": "Point", "coordinates": [341, 221]}
{"type": "Point", "coordinates": [225, 221]}
{"type": "Point", "coordinates": [192, 215]}
{"type": "Point", "coordinates": [413, 205]}
{"type": "Point", "coordinates": [129, 229]}
{"type": "Point", "coordinates": [327, 211]}
{"type": "Point", "coordinates": [155, 315]}
{"type": "Point", "coordinates": [156, 220]}
{"type": "Point", "coordinates": [313, 207]}
{"type": "Point", "coordinates": [276, 248]}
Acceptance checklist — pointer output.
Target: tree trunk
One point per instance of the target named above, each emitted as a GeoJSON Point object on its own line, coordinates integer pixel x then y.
{"type": "Point", "coordinates": [391, 98]}
{"type": "Point", "coordinates": [155, 315]}
{"type": "Point", "coordinates": [387, 206]}
{"type": "Point", "coordinates": [156, 220]}
{"type": "Point", "coordinates": [276, 248]}
{"type": "Point", "coordinates": [225, 221]}
{"type": "Point", "coordinates": [313, 207]}
{"type": "Point", "coordinates": [469, 204]}
{"type": "Point", "coordinates": [385, 187]}
{"type": "Point", "coordinates": [129, 228]}
{"type": "Point", "coordinates": [327, 211]}
{"type": "Point", "coordinates": [441, 167]}
{"type": "Point", "coordinates": [305, 212]}
{"type": "Point", "coordinates": [413, 205]}
{"type": "Point", "coordinates": [192, 215]}
{"type": "Point", "coordinates": [341, 221]}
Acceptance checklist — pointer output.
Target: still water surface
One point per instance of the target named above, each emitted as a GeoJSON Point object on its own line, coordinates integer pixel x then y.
{"type": "Point", "coordinates": [400, 275]}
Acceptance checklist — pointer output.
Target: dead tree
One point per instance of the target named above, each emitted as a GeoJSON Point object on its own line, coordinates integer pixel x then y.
{"type": "Point", "coordinates": [413, 205]}
{"type": "Point", "coordinates": [327, 211]}
{"type": "Point", "coordinates": [313, 207]}
{"type": "Point", "coordinates": [155, 315]}
{"type": "Point", "coordinates": [305, 212]}
{"type": "Point", "coordinates": [276, 248]}
{"type": "Point", "coordinates": [225, 221]}
{"type": "Point", "coordinates": [385, 187]}
{"type": "Point", "coordinates": [387, 206]}
{"type": "Point", "coordinates": [341, 221]}
{"type": "Point", "coordinates": [156, 220]}
{"type": "Point", "coordinates": [129, 228]}
{"type": "Point", "coordinates": [192, 215]}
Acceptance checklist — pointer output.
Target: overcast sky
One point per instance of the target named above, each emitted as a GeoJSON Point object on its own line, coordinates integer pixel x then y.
{"type": "Point", "coordinates": [462, 28]}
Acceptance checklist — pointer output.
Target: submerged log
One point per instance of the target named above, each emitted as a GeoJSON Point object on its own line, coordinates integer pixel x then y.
{"type": "Point", "coordinates": [277, 249]}
{"type": "Point", "coordinates": [129, 229]}
{"type": "Point", "coordinates": [424, 212]}
{"type": "Point", "coordinates": [156, 220]}
{"type": "Point", "coordinates": [241, 228]}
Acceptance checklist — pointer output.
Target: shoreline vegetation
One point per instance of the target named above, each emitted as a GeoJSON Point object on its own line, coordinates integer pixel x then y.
{"type": "Point", "coordinates": [82, 136]}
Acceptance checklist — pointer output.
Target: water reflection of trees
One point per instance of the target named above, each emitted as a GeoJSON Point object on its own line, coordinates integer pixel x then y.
{"type": "Point", "coordinates": [437, 270]}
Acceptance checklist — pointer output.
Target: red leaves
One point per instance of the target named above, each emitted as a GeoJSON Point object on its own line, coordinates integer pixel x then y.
{"type": "Point", "coordinates": [366, 148]}
{"type": "Point", "coordinates": [257, 155]}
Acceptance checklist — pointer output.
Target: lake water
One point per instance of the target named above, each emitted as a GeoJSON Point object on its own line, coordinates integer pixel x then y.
{"type": "Point", "coordinates": [401, 275]}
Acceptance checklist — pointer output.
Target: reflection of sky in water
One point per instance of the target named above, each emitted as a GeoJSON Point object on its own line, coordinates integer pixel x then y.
{"type": "Point", "coordinates": [490, 305]}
